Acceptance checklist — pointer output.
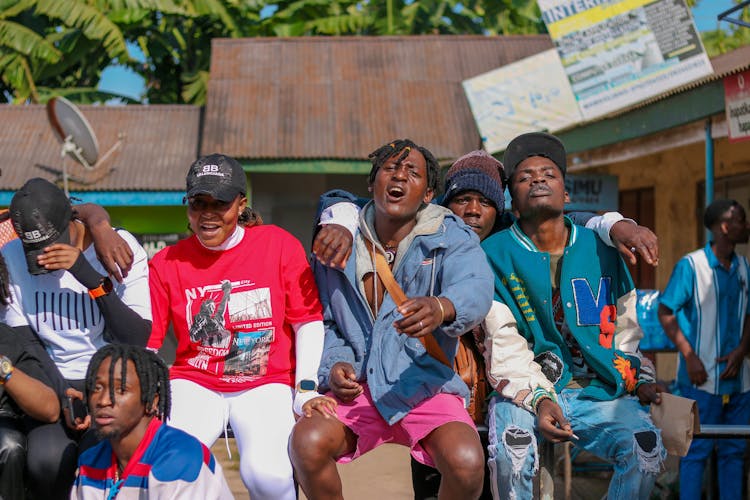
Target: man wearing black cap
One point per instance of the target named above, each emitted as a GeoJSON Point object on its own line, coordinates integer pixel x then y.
{"type": "Point", "coordinates": [562, 338]}
{"type": "Point", "coordinates": [61, 291]}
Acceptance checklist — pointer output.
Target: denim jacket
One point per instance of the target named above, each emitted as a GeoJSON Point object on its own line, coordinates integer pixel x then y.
{"type": "Point", "coordinates": [440, 257]}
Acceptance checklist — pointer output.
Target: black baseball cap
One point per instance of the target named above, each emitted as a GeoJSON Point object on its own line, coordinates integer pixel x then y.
{"type": "Point", "coordinates": [41, 215]}
{"type": "Point", "coordinates": [218, 176]}
{"type": "Point", "coordinates": [534, 144]}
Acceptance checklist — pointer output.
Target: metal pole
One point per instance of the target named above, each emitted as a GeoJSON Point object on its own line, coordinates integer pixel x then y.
{"type": "Point", "coordinates": [709, 170]}
{"type": "Point", "coordinates": [709, 164]}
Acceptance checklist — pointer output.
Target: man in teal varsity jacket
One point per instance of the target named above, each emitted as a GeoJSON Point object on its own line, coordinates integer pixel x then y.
{"type": "Point", "coordinates": [562, 338]}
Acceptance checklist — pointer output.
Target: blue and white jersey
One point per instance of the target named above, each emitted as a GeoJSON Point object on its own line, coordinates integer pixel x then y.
{"type": "Point", "coordinates": [168, 464]}
{"type": "Point", "coordinates": [711, 304]}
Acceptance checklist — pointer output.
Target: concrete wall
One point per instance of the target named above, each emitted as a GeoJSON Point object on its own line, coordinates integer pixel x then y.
{"type": "Point", "coordinates": [676, 176]}
{"type": "Point", "coordinates": [291, 200]}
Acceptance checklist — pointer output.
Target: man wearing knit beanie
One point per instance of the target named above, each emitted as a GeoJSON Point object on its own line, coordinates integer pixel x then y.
{"type": "Point", "coordinates": [474, 191]}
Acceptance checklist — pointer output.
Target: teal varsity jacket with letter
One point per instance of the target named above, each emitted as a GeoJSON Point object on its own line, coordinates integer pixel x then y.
{"type": "Point", "coordinates": [598, 299]}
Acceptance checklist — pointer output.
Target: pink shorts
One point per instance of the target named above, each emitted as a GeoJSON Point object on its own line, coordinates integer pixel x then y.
{"type": "Point", "coordinates": [372, 430]}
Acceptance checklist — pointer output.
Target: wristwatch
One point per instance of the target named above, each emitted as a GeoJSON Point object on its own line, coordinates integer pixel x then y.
{"type": "Point", "coordinates": [307, 385]}
{"type": "Point", "coordinates": [6, 369]}
{"type": "Point", "coordinates": [105, 286]}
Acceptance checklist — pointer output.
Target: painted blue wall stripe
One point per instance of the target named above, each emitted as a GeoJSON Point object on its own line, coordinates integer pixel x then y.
{"type": "Point", "coordinates": [118, 198]}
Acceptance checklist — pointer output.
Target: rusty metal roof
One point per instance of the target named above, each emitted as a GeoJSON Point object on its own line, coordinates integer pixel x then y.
{"type": "Point", "coordinates": [341, 97]}
{"type": "Point", "coordinates": [158, 144]}
{"type": "Point", "coordinates": [731, 62]}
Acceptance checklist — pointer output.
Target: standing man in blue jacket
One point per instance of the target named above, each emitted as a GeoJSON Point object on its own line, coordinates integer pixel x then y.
{"type": "Point", "coordinates": [388, 387]}
{"type": "Point", "coordinates": [704, 312]}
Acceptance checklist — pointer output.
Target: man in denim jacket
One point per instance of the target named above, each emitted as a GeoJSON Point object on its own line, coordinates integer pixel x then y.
{"type": "Point", "coordinates": [388, 388]}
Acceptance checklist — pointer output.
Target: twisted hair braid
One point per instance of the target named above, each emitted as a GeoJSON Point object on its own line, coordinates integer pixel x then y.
{"type": "Point", "coordinates": [153, 375]}
{"type": "Point", "coordinates": [402, 147]}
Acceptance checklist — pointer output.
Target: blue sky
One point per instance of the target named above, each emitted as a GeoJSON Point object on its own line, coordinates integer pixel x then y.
{"type": "Point", "coordinates": [126, 82]}
{"type": "Point", "coordinates": [706, 12]}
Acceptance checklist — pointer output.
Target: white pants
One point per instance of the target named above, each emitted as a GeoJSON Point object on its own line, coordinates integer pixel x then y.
{"type": "Point", "coordinates": [261, 418]}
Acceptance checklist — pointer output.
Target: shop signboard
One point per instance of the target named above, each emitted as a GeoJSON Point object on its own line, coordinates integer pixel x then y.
{"type": "Point", "coordinates": [737, 105]}
{"type": "Point", "coordinates": [527, 95]}
{"type": "Point", "coordinates": [591, 193]}
{"type": "Point", "coordinates": [620, 52]}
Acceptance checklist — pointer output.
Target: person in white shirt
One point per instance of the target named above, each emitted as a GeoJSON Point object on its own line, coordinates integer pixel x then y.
{"type": "Point", "coordinates": [60, 291]}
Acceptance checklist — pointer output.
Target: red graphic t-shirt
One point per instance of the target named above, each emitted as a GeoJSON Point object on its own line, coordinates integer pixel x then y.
{"type": "Point", "coordinates": [232, 310]}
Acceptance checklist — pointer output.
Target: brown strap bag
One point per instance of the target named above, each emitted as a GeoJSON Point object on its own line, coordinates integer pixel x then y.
{"type": "Point", "coordinates": [469, 364]}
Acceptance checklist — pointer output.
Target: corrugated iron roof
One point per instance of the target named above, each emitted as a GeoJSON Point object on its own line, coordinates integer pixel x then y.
{"type": "Point", "coordinates": [341, 97]}
{"type": "Point", "coordinates": [158, 144]}
{"type": "Point", "coordinates": [731, 62]}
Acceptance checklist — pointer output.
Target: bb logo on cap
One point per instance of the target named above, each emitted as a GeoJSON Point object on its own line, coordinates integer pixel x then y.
{"type": "Point", "coordinates": [41, 214]}
{"type": "Point", "coordinates": [211, 170]}
{"type": "Point", "coordinates": [218, 176]}
{"type": "Point", "coordinates": [33, 236]}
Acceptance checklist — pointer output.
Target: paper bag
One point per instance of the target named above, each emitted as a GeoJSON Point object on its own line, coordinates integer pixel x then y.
{"type": "Point", "coordinates": [677, 417]}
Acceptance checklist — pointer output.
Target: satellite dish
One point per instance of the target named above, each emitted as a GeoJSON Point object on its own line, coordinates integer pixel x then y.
{"type": "Point", "coordinates": [75, 133]}
{"type": "Point", "coordinates": [72, 128]}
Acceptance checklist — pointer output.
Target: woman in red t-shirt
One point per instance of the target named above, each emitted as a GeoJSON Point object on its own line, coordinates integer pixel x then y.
{"type": "Point", "coordinates": [245, 310]}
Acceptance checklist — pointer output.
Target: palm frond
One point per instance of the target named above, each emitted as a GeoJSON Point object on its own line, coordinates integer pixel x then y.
{"type": "Point", "coordinates": [336, 25]}
{"type": "Point", "coordinates": [195, 88]}
{"type": "Point", "coordinates": [82, 95]}
{"type": "Point", "coordinates": [27, 42]}
{"type": "Point", "coordinates": [216, 8]}
{"type": "Point", "coordinates": [11, 8]}
{"type": "Point", "coordinates": [92, 21]}
{"type": "Point", "coordinates": [162, 6]}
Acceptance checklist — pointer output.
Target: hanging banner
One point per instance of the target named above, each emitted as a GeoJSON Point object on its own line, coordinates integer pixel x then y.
{"type": "Point", "coordinates": [737, 105]}
{"type": "Point", "coordinates": [528, 95]}
{"type": "Point", "coordinates": [620, 52]}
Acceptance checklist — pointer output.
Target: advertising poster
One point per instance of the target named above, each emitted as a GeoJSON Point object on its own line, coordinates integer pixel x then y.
{"type": "Point", "coordinates": [737, 104]}
{"type": "Point", "coordinates": [620, 52]}
{"type": "Point", "coordinates": [530, 94]}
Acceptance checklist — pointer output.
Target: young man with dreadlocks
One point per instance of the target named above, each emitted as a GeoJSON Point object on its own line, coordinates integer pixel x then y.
{"type": "Point", "coordinates": [389, 388]}
{"type": "Point", "coordinates": [128, 394]}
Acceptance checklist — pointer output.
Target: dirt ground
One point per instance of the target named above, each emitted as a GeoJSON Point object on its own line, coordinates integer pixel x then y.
{"type": "Point", "coordinates": [384, 474]}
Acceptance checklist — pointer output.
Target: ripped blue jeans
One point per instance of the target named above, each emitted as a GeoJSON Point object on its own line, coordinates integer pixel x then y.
{"type": "Point", "coordinates": [619, 431]}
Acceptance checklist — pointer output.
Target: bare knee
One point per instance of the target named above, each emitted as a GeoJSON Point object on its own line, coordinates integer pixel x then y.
{"type": "Point", "coordinates": [465, 463]}
{"type": "Point", "coordinates": [458, 455]}
{"type": "Point", "coordinates": [313, 442]}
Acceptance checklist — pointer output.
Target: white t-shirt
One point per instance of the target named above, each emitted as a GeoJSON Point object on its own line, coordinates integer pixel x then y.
{"type": "Point", "coordinates": [58, 308]}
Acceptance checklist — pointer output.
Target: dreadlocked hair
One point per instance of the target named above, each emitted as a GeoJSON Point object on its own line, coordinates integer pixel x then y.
{"type": "Point", "coordinates": [153, 375]}
{"type": "Point", "coordinates": [402, 147]}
